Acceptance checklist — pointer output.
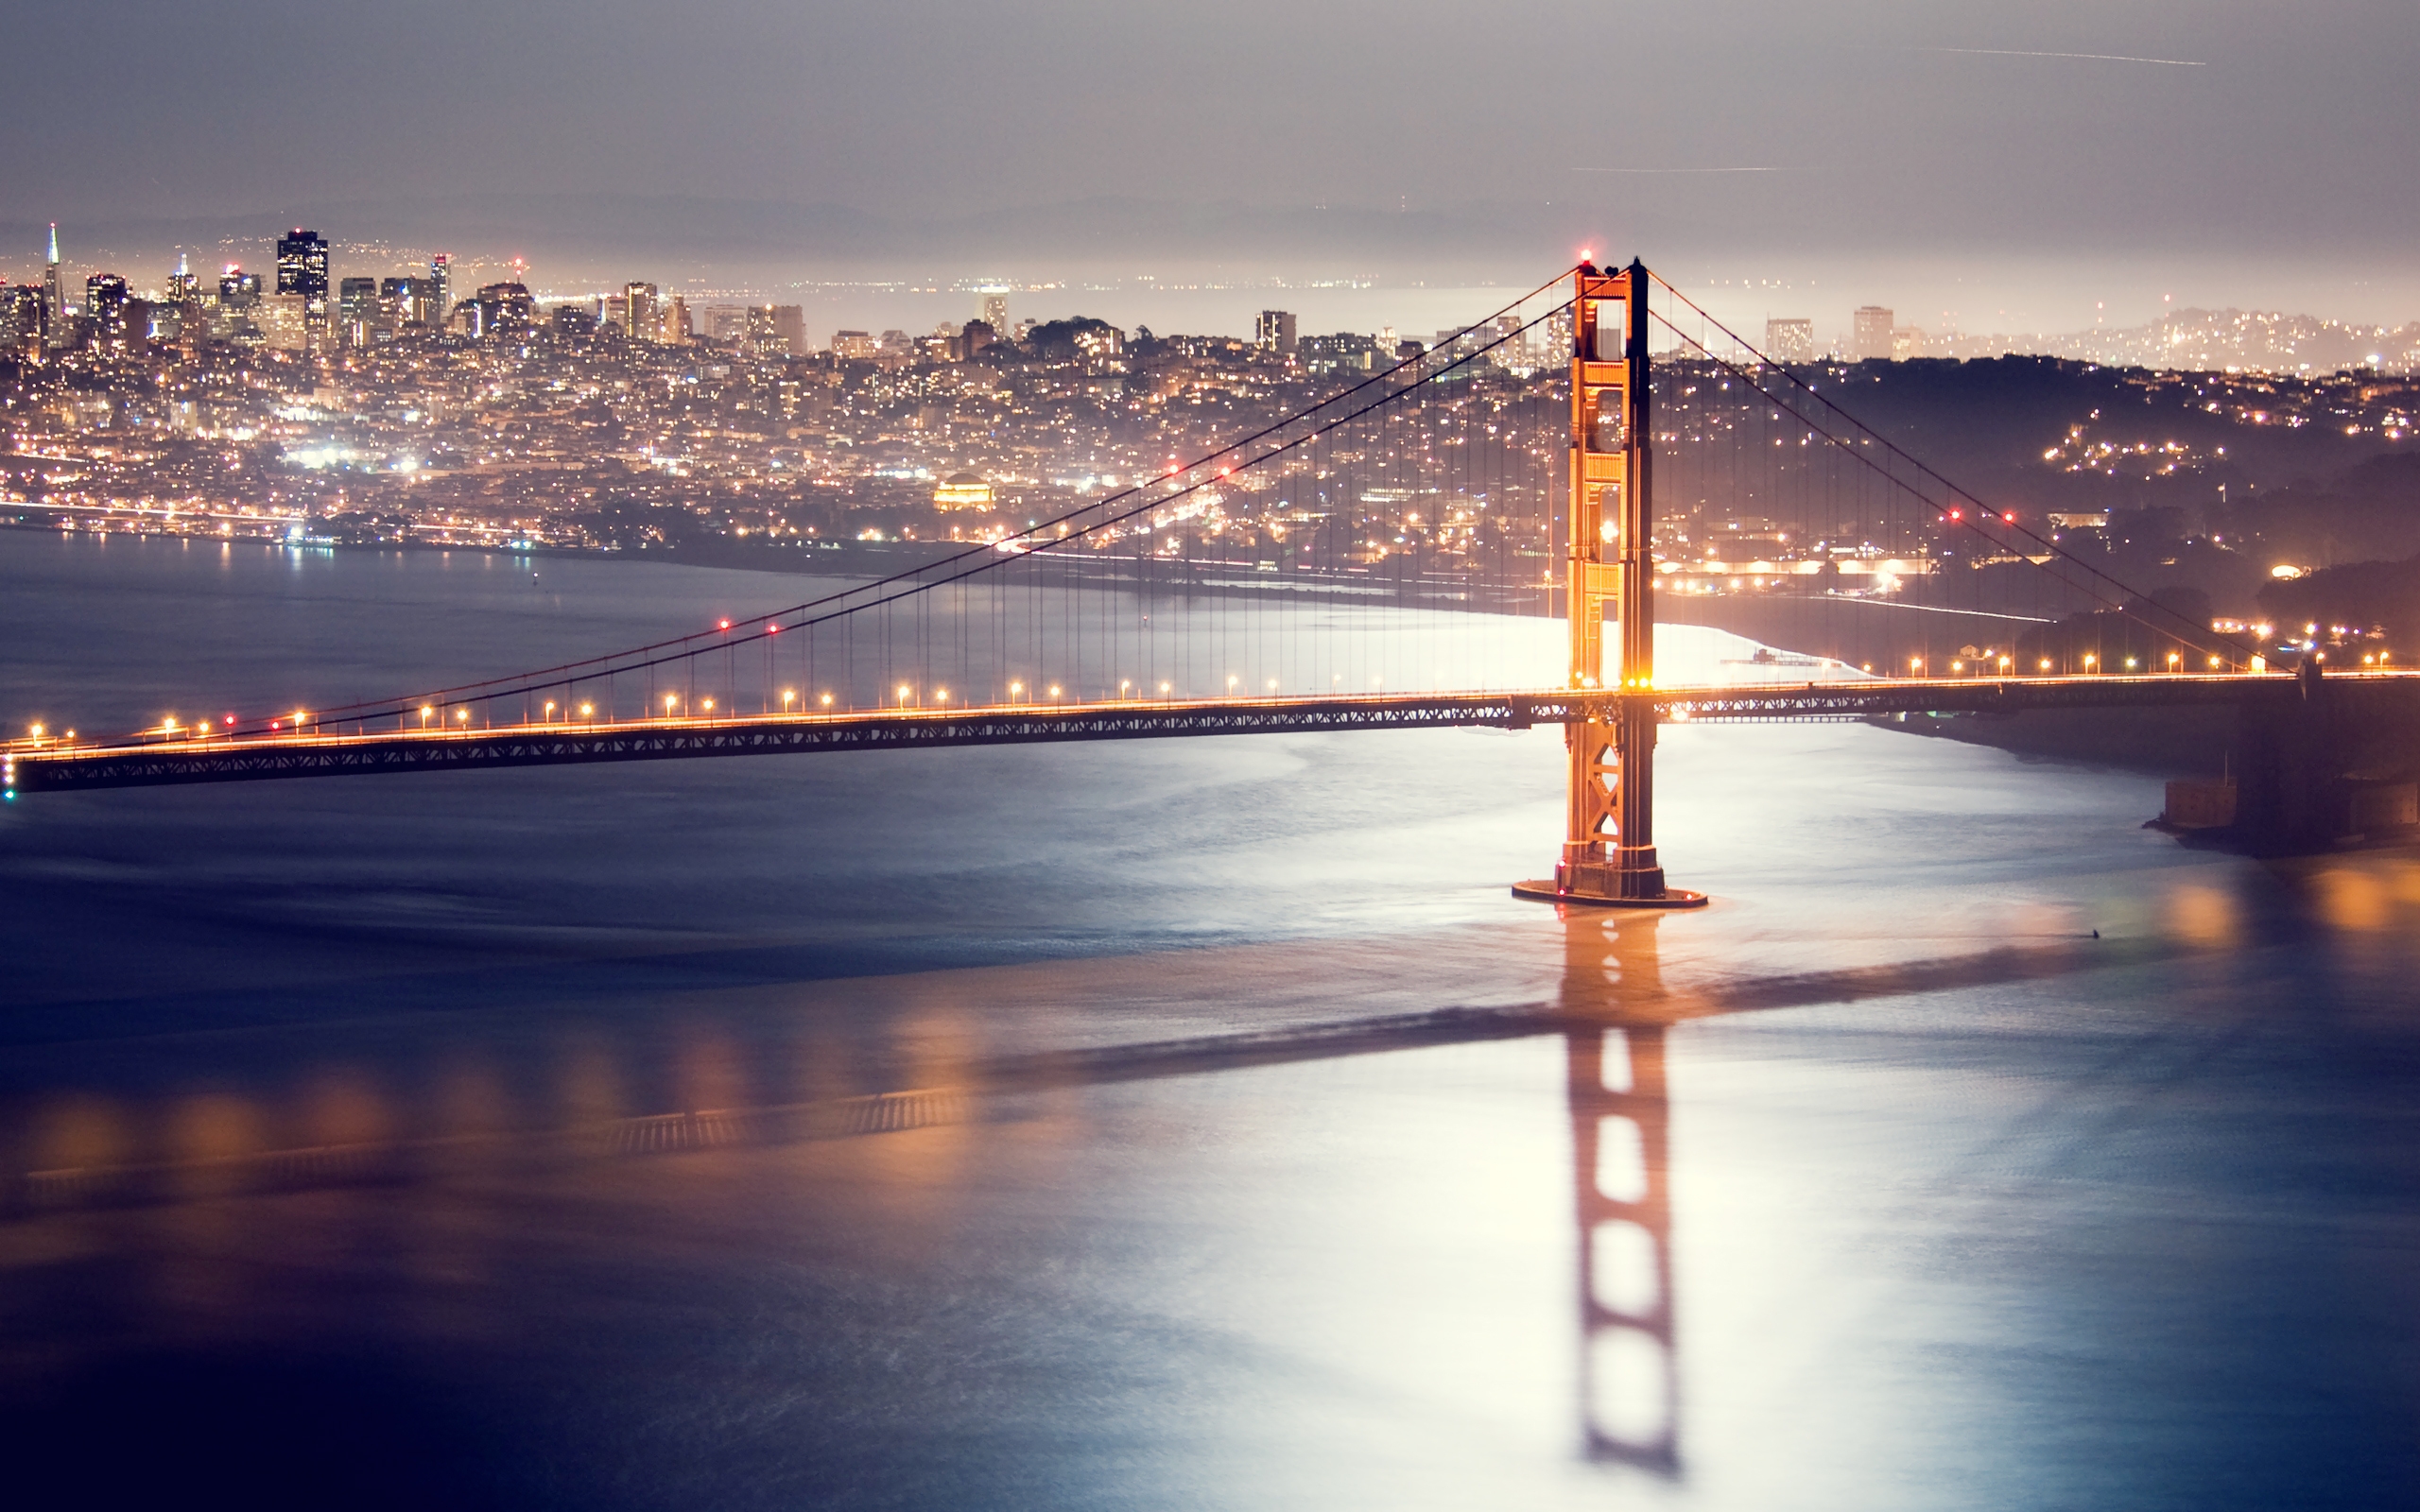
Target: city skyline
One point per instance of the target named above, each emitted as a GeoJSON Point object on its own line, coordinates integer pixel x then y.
{"type": "Point", "coordinates": [2045, 159]}
{"type": "Point", "coordinates": [2170, 333]}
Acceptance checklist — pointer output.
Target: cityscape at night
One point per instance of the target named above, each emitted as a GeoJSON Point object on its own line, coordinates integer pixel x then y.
{"type": "Point", "coordinates": [968, 757]}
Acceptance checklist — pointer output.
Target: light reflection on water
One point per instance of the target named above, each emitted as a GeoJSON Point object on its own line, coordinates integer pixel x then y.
{"type": "Point", "coordinates": [1228, 1141]}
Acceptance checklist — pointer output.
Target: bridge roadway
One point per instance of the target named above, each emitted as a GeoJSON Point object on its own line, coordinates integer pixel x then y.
{"type": "Point", "coordinates": [49, 766]}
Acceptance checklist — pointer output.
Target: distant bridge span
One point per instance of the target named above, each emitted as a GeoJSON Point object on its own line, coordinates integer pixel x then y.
{"type": "Point", "coordinates": [1067, 603]}
{"type": "Point", "coordinates": [52, 767]}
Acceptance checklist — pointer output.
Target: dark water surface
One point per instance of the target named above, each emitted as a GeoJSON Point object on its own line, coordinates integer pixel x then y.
{"type": "Point", "coordinates": [1192, 1124]}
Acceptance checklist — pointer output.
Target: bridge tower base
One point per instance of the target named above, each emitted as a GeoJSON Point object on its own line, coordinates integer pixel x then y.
{"type": "Point", "coordinates": [1608, 857]}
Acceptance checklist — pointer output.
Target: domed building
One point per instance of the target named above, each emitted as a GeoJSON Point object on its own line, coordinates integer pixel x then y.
{"type": "Point", "coordinates": [962, 491]}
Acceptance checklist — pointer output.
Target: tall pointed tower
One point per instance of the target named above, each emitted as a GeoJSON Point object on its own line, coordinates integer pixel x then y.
{"type": "Point", "coordinates": [54, 296]}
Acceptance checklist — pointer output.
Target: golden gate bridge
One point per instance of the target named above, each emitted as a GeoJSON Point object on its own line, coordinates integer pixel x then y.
{"type": "Point", "coordinates": [1128, 616]}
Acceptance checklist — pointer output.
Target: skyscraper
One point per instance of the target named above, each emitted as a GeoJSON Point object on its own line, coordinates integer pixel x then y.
{"type": "Point", "coordinates": [357, 311]}
{"type": "Point", "coordinates": [302, 269]}
{"type": "Point", "coordinates": [1790, 340]}
{"type": "Point", "coordinates": [54, 296]}
{"type": "Point", "coordinates": [238, 318]}
{"type": "Point", "coordinates": [20, 317]}
{"type": "Point", "coordinates": [106, 297]}
{"type": "Point", "coordinates": [440, 290]}
{"type": "Point", "coordinates": [638, 312]}
{"type": "Point", "coordinates": [1871, 335]}
{"type": "Point", "coordinates": [1275, 332]}
{"type": "Point", "coordinates": [103, 292]}
{"type": "Point", "coordinates": [995, 315]}
{"type": "Point", "coordinates": [403, 302]}
{"type": "Point", "coordinates": [237, 289]}
{"type": "Point", "coordinates": [184, 284]}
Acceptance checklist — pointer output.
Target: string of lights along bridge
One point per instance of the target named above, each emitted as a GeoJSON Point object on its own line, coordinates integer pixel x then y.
{"type": "Point", "coordinates": [1483, 532]}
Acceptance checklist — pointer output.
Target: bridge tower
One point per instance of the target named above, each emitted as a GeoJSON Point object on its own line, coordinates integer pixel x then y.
{"type": "Point", "coordinates": [1609, 842]}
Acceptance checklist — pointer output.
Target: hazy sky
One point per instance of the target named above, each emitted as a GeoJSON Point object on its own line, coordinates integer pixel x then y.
{"type": "Point", "coordinates": [2270, 147]}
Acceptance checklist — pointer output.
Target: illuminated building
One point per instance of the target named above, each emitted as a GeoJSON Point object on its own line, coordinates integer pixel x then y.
{"type": "Point", "coordinates": [962, 491]}
{"type": "Point", "coordinates": [237, 315]}
{"type": "Point", "coordinates": [996, 314]}
{"type": "Point", "coordinates": [1275, 332]}
{"type": "Point", "coordinates": [104, 294]}
{"type": "Point", "coordinates": [112, 310]}
{"type": "Point", "coordinates": [638, 312]}
{"type": "Point", "coordinates": [284, 323]}
{"type": "Point", "coordinates": [1345, 352]}
{"type": "Point", "coordinates": [776, 330]}
{"type": "Point", "coordinates": [1790, 340]}
{"type": "Point", "coordinates": [673, 322]}
{"type": "Point", "coordinates": [850, 345]}
{"type": "Point", "coordinates": [184, 284]}
{"type": "Point", "coordinates": [503, 310]}
{"type": "Point", "coordinates": [357, 311]}
{"type": "Point", "coordinates": [440, 290]}
{"type": "Point", "coordinates": [20, 316]}
{"type": "Point", "coordinates": [1870, 340]}
{"type": "Point", "coordinates": [53, 296]}
{"type": "Point", "coordinates": [302, 273]}
{"type": "Point", "coordinates": [407, 301]}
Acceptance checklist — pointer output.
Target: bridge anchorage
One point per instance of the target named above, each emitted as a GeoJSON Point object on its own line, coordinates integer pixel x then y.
{"type": "Point", "coordinates": [1608, 858]}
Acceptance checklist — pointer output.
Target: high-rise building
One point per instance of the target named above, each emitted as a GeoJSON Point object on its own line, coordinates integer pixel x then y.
{"type": "Point", "coordinates": [1870, 335]}
{"type": "Point", "coordinates": [53, 296]}
{"type": "Point", "coordinates": [407, 301]}
{"type": "Point", "coordinates": [237, 315]}
{"type": "Point", "coordinates": [184, 284]}
{"type": "Point", "coordinates": [284, 322]}
{"type": "Point", "coordinates": [1275, 332]}
{"type": "Point", "coordinates": [103, 292]}
{"type": "Point", "coordinates": [302, 273]}
{"type": "Point", "coordinates": [440, 290]}
{"type": "Point", "coordinates": [996, 314]}
{"type": "Point", "coordinates": [106, 297]}
{"type": "Point", "coordinates": [1790, 340]}
{"type": "Point", "coordinates": [674, 322]}
{"type": "Point", "coordinates": [638, 312]}
{"type": "Point", "coordinates": [357, 312]}
{"type": "Point", "coordinates": [20, 316]}
{"type": "Point", "coordinates": [776, 330]}
{"type": "Point", "coordinates": [504, 311]}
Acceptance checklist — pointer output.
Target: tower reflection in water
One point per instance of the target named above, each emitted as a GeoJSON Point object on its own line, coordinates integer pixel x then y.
{"type": "Point", "coordinates": [1614, 1001]}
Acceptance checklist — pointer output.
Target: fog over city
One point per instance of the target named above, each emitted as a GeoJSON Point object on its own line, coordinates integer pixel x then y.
{"type": "Point", "coordinates": [2034, 167]}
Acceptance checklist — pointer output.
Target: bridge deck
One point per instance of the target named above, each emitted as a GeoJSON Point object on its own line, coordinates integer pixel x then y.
{"type": "Point", "coordinates": [49, 766]}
